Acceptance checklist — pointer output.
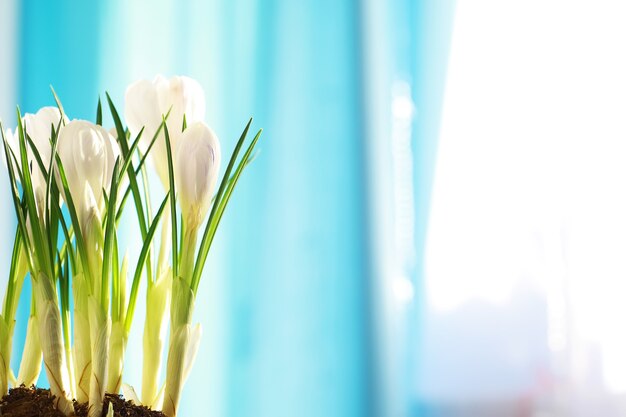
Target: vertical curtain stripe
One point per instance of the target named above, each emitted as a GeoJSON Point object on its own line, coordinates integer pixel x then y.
{"type": "Point", "coordinates": [298, 343]}
{"type": "Point", "coordinates": [430, 39]}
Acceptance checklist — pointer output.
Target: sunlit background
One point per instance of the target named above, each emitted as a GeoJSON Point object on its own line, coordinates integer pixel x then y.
{"type": "Point", "coordinates": [436, 224]}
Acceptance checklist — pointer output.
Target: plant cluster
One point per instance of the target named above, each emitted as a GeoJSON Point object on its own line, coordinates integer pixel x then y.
{"type": "Point", "coordinates": [70, 181]}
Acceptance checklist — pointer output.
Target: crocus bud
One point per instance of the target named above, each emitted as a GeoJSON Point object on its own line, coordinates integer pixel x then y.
{"type": "Point", "coordinates": [88, 153]}
{"type": "Point", "coordinates": [196, 169]}
{"type": "Point", "coordinates": [146, 104]}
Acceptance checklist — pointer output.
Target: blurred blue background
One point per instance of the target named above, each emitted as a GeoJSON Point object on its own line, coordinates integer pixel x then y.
{"type": "Point", "coordinates": [434, 225]}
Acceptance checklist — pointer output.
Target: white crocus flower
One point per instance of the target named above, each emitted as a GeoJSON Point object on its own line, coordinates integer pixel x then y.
{"type": "Point", "coordinates": [146, 104]}
{"type": "Point", "coordinates": [88, 154]}
{"type": "Point", "coordinates": [39, 127]}
{"type": "Point", "coordinates": [196, 168]}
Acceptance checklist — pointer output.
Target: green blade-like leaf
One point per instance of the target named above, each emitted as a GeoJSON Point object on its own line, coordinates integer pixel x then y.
{"type": "Point", "coordinates": [71, 208]}
{"type": "Point", "coordinates": [40, 162]}
{"type": "Point", "coordinates": [214, 222]}
{"type": "Point", "coordinates": [205, 244]}
{"type": "Point", "coordinates": [120, 209]}
{"type": "Point", "coordinates": [59, 105]}
{"type": "Point", "coordinates": [11, 284]}
{"type": "Point", "coordinates": [99, 113]}
{"type": "Point", "coordinates": [54, 136]}
{"type": "Point", "coordinates": [115, 282]}
{"type": "Point", "coordinates": [141, 262]}
{"type": "Point", "coordinates": [229, 168]}
{"type": "Point", "coordinates": [46, 171]}
{"type": "Point", "coordinates": [131, 151]}
{"type": "Point", "coordinates": [132, 178]}
{"type": "Point", "coordinates": [68, 233]}
{"type": "Point", "coordinates": [21, 217]}
{"type": "Point", "coordinates": [170, 166]}
{"type": "Point", "coordinates": [27, 188]}
{"type": "Point", "coordinates": [109, 238]}
{"type": "Point", "coordinates": [140, 167]}
{"type": "Point", "coordinates": [64, 290]}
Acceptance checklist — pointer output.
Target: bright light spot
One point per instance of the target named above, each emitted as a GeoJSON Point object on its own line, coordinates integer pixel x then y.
{"type": "Point", "coordinates": [402, 289]}
{"type": "Point", "coordinates": [402, 107]}
{"type": "Point", "coordinates": [528, 225]}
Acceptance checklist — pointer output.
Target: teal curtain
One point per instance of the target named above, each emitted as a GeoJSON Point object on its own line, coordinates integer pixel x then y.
{"type": "Point", "coordinates": [286, 301]}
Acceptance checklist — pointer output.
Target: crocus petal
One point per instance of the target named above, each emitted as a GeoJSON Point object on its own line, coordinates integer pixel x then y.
{"type": "Point", "coordinates": [39, 128]}
{"type": "Point", "coordinates": [146, 104]}
{"type": "Point", "coordinates": [142, 111]}
{"type": "Point", "coordinates": [88, 153]}
{"type": "Point", "coordinates": [184, 96]}
{"type": "Point", "coordinates": [197, 167]}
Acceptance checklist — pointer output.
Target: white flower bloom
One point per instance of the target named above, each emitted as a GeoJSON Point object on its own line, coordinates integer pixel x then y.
{"type": "Point", "coordinates": [196, 167]}
{"type": "Point", "coordinates": [88, 153]}
{"type": "Point", "coordinates": [146, 104]}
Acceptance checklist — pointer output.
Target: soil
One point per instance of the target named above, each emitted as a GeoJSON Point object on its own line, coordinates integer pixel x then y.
{"type": "Point", "coordinates": [37, 402]}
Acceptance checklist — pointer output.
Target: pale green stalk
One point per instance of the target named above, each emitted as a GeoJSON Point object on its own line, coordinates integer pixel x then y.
{"type": "Point", "coordinates": [51, 337]}
{"type": "Point", "coordinates": [184, 340]}
{"type": "Point", "coordinates": [98, 312]}
{"type": "Point", "coordinates": [6, 330]}
{"type": "Point", "coordinates": [30, 365]}
{"type": "Point", "coordinates": [82, 339]}
{"type": "Point", "coordinates": [157, 304]}
{"type": "Point", "coordinates": [158, 295]}
{"type": "Point", "coordinates": [119, 336]}
{"type": "Point", "coordinates": [7, 316]}
{"type": "Point", "coordinates": [100, 326]}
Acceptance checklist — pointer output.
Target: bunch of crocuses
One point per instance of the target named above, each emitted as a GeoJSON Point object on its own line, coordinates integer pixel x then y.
{"type": "Point", "coordinates": [70, 181]}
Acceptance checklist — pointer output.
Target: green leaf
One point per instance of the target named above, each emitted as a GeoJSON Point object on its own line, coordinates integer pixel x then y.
{"type": "Point", "coordinates": [219, 206]}
{"type": "Point", "coordinates": [11, 284]}
{"type": "Point", "coordinates": [170, 166]}
{"type": "Point", "coordinates": [64, 290]}
{"type": "Point", "coordinates": [210, 227]}
{"type": "Point", "coordinates": [99, 113]}
{"type": "Point", "coordinates": [68, 239]}
{"type": "Point", "coordinates": [69, 202]}
{"type": "Point", "coordinates": [40, 163]}
{"type": "Point", "coordinates": [140, 167]}
{"type": "Point", "coordinates": [59, 105]}
{"type": "Point", "coordinates": [27, 189]}
{"type": "Point", "coordinates": [145, 185]}
{"type": "Point", "coordinates": [132, 178]}
{"type": "Point", "coordinates": [109, 236]}
{"type": "Point", "coordinates": [51, 230]}
{"type": "Point", "coordinates": [115, 281]}
{"type": "Point", "coordinates": [21, 217]}
{"type": "Point", "coordinates": [141, 262]}
{"type": "Point", "coordinates": [131, 151]}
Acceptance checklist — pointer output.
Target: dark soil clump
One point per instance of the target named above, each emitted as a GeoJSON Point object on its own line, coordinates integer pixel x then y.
{"type": "Point", "coordinates": [37, 402]}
